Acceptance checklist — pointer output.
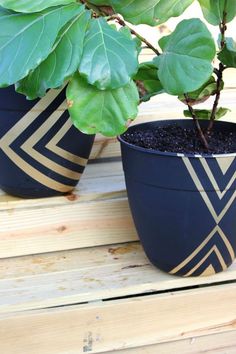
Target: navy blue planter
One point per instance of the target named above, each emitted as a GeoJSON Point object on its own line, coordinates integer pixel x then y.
{"type": "Point", "coordinates": [184, 206]}
{"type": "Point", "coordinates": [41, 153]}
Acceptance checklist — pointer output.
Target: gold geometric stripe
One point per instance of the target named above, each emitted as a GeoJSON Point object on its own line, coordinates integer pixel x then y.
{"type": "Point", "coordinates": [202, 245]}
{"type": "Point", "coordinates": [208, 271]}
{"type": "Point", "coordinates": [213, 181]}
{"type": "Point", "coordinates": [225, 163]}
{"type": "Point", "coordinates": [219, 256]}
{"type": "Point", "coordinates": [204, 195]}
{"type": "Point", "coordinates": [28, 118]}
{"type": "Point", "coordinates": [18, 129]}
{"type": "Point", "coordinates": [34, 173]}
{"type": "Point", "coordinates": [52, 145]}
{"type": "Point", "coordinates": [27, 146]}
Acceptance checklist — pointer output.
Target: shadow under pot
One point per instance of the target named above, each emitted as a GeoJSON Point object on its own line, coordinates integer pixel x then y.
{"type": "Point", "coordinates": [183, 205]}
{"type": "Point", "coordinates": [41, 153]}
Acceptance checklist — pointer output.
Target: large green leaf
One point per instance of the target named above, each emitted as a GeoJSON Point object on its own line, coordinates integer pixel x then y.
{"type": "Point", "coordinates": [185, 64]}
{"type": "Point", "coordinates": [127, 32]}
{"type": "Point", "coordinates": [228, 55]}
{"type": "Point", "coordinates": [137, 11]}
{"type": "Point", "coordinates": [32, 5]}
{"type": "Point", "coordinates": [150, 12]}
{"type": "Point", "coordinates": [203, 93]}
{"type": "Point", "coordinates": [173, 8]}
{"type": "Point", "coordinates": [147, 80]}
{"type": "Point", "coordinates": [95, 111]}
{"type": "Point", "coordinates": [110, 58]}
{"type": "Point", "coordinates": [27, 39]}
{"type": "Point", "coordinates": [206, 113]}
{"type": "Point", "coordinates": [213, 10]}
{"type": "Point", "coordinates": [57, 67]}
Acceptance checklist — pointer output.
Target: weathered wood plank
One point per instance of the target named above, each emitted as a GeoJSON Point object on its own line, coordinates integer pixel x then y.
{"type": "Point", "coordinates": [97, 273]}
{"type": "Point", "coordinates": [121, 324]}
{"type": "Point", "coordinates": [222, 343]}
{"type": "Point", "coordinates": [75, 225]}
{"type": "Point", "coordinates": [97, 213]}
{"type": "Point", "coordinates": [99, 181]}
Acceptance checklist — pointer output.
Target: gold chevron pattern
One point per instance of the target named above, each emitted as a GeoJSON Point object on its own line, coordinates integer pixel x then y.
{"type": "Point", "coordinates": [217, 231]}
{"type": "Point", "coordinates": [28, 145]}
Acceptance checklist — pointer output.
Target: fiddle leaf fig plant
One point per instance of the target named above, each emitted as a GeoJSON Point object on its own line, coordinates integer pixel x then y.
{"type": "Point", "coordinates": [93, 47]}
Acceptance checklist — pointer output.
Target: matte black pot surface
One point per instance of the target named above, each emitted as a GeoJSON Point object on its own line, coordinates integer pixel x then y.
{"type": "Point", "coordinates": [41, 153]}
{"type": "Point", "coordinates": [184, 206]}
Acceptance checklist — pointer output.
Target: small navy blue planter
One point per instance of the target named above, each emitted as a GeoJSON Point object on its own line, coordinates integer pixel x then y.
{"type": "Point", "coordinates": [184, 206]}
{"type": "Point", "coordinates": [41, 153]}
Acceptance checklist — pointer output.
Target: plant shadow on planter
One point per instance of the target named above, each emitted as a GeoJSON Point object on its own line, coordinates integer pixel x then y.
{"type": "Point", "coordinates": [183, 206]}
{"type": "Point", "coordinates": [41, 153]}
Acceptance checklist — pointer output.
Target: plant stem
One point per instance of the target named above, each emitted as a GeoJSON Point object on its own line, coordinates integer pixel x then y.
{"type": "Point", "coordinates": [217, 96]}
{"type": "Point", "coordinates": [219, 72]}
{"type": "Point", "coordinates": [106, 11]}
{"type": "Point", "coordinates": [196, 122]}
{"type": "Point", "coordinates": [142, 39]}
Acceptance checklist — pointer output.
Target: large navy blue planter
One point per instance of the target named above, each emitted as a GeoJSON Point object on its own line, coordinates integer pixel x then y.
{"type": "Point", "coordinates": [41, 153]}
{"type": "Point", "coordinates": [184, 206]}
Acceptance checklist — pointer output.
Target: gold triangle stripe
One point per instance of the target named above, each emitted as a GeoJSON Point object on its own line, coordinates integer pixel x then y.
{"type": "Point", "coordinates": [198, 265]}
{"type": "Point", "coordinates": [213, 180]}
{"type": "Point", "coordinates": [202, 245]}
{"type": "Point", "coordinates": [52, 146]}
{"type": "Point", "coordinates": [225, 163]}
{"type": "Point", "coordinates": [204, 195]}
{"type": "Point", "coordinates": [208, 271]}
{"type": "Point", "coordinates": [34, 173]}
{"type": "Point", "coordinates": [28, 118]}
{"type": "Point", "coordinates": [18, 129]}
{"type": "Point", "coordinates": [28, 147]}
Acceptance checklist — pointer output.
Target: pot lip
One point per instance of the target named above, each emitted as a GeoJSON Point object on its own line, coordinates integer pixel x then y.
{"type": "Point", "coordinates": [172, 154]}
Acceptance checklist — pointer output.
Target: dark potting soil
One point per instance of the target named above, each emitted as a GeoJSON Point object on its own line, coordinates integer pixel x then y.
{"type": "Point", "coordinates": [173, 138]}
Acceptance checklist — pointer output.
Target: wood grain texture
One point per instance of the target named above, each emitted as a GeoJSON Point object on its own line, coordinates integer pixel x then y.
{"type": "Point", "coordinates": [97, 213]}
{"type": "Point", "coordinates": [121, 324]}
{"type": "Point", "coordinates": [222, 343]}
{"type": "Point", "coordinates": [90, 274]}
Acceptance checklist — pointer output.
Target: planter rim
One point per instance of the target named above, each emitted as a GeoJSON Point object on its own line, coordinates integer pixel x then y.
{"type": "Point", "coordinates": [172, 154]}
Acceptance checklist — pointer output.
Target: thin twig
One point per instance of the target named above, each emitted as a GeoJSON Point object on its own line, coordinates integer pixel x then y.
{"type": "Point", "coordinates": [219, 72]}
{"type": "Point", "coordinates": [108, 11]}
{"type": "Point", "coordinates": [217, 96]}
{"type": "Point", "coordinates": [196, 122]}
{"type": "Point", "coordinates": [142, 39]}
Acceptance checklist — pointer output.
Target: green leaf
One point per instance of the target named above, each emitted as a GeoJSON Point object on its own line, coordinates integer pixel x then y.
{"type": "Point", "coordinates": [137, 11]}
{"type": "Point", "coordinates": [206, 114]}
{"type": "Point", "coordinates": [150, 12]}
{"type": "Point", "coordinates": [213, 10]}
{"type": "Point", "coordinates": [166, 9]}
{"type": "Point", "coordinates": [27, 39]}
{"type": "Point", "coordinates": [147, 76]}
{"type": "Point", "coordinates": [185, 64]}
{"type": "Point", "coordinates": [101, 2]}
{"type": "Point", "coordinates": [95, 111]}
{"type": "Point", "coordinates": [58, 67]}
{"type": "Point", "coordinates": [205, 91]}
{"type": "Point", "coordinates": [228, 55]}
{"type": "Point", "coordinates": [32, 5]}
{"type": "Point", "coordinates": [110, 59]}
{"type": "Point", "coordinates": [137, 41]}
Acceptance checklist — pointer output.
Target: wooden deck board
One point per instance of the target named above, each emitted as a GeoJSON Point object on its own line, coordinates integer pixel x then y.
{"type": "Point", "coordinates": [84, 275]}
{"type": "Point", "coordinates": [223, 343]}
{"type": "Point", "coordinates": [121, 324]}
{"type": "Point", "coordinates": [82, 283]}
